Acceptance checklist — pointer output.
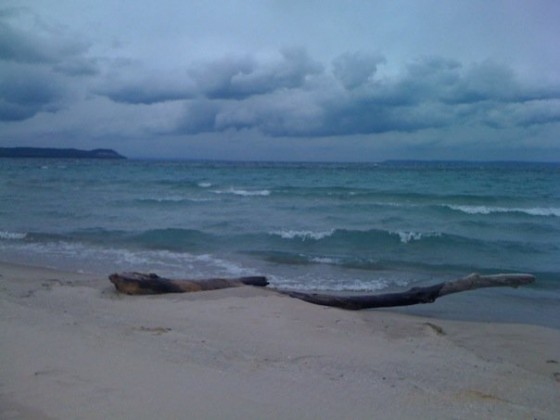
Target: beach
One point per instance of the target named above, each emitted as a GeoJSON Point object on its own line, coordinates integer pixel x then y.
{"type": "Point", "coordinates": [356, 152]}
{"type": "Point", "coordinates": [73, 348]}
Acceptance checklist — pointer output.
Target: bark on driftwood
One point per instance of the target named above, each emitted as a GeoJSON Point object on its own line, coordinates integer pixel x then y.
{"type": "Point", "coordinates": [152, 284]}
{"type": "Point", "coordinates": [149, 284]}
{"type": "Point", "coordinates": [427, 294]}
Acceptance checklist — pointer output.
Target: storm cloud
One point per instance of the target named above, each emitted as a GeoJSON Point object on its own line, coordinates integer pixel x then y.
{"type": "Point", "coordinates": [25, 91]}
{"type": "Point", "coordinates": [234, 78]}
{"type": "Point", "coordinates": [347, 98]}
{"type": "Point", "coordinates": [395, 78]}
{"type": "Point", "coordinates": [34, 57]}
{"type": "Point", "coordinates": [26, 38]}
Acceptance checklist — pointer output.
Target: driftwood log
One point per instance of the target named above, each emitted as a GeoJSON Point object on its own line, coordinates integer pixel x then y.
{"type": "Point", "coordinates": [149, 284]}
{"type": "Point", "coordinates": [416, 295]}
{"type": "Point", "coordinates": [152, 284]}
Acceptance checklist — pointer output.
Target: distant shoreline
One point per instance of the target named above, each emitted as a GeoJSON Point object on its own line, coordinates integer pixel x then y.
{"type": "Point", "coordinates": [388, 162]}
{"type": "Point", "coordinates": [48, 152]}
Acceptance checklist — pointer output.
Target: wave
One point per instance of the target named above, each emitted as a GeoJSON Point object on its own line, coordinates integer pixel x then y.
{"type": "Point", "coordinates": [12, 235]}
{"type": "Point", "coordinates": [383, 196]}
{"type": "Point", "coordinates": [303, 234]}
{"type": "Point", "coordinates": [341, 260]}
{"type": "Point", "coordinates": [536, 211]}
{"type": "Point", "coordinates": [170, 239]}
{"type": "Point", "coordinates": [367, 249]}
{"type": "Point", "coordinates": [410, 236]}
{"type": "Point", "coordinates": [343, 241]}
{"type": "Point", "coordinates": [358, 236]}
{"type": "Point", "coordinates": [350, 249]}
{"type": "Point", "coordinates": [408, 268]}
{"type": "Point", "coordinates": [244, 193]}
{"type": "Point", "coordinates": [173, 200]}
{"type": "Point", "coordinates": [80, 256]}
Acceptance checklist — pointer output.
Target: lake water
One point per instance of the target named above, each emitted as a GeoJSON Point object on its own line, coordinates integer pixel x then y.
{"type": "Point", "coordinates": [307, 226]}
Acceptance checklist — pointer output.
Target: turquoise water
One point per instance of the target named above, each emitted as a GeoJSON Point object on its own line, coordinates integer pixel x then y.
{"type": "Point", "coordinates": [331, 227]}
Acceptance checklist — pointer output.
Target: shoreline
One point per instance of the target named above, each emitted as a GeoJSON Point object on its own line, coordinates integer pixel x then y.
{"type": "Point", "coordinates": [525, 305]}
{"type": "Point", "coordinates": [73, 348]}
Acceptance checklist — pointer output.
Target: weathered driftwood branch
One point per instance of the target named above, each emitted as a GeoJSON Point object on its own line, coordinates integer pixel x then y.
{"type": "Point", "coordinates": [152, 284]}
{"type": "Point", "coordinates": [415, 295]}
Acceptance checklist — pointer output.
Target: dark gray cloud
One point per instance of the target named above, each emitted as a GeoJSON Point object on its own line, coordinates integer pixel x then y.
{"type": "Point", "coordinates": [164, 72]}
{"type": "Point", "coordinates": [26, 38]}
{"type": "Point", "coordinates": [146, 90]}
{"type": "Point", "coordinates": [78, 66]}
{"type": "Point", "coordinates": [25, 91]}
{"type": "Point", "coordinates": [228, 78]}
{"type": "Point", "coordinates": [34, 57]}
{"type": "Point", "coordinates": [355, 69]}
{"type": "Point", "coordinates": [200, 117]}
{"type": "Point", "coordinates": [429, 93]}
{"type": "Point", "coordinates": [243, 77]}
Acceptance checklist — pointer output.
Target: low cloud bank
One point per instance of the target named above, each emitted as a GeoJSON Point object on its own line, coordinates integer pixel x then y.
{"type": "Point", "coordinates": [285, 94]}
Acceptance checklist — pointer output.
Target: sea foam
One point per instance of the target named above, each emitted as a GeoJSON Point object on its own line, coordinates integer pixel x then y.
{"type": "Point", "coordinates": [303, 234]}
{"type": "Point", "coordinates": [407, 237]}
{"type": "Point", "coordinates": [243, 193]}
{"type": "Point", "coordinates": [12, 235]}
{"type": "Point", "coordinates": [537, 211]}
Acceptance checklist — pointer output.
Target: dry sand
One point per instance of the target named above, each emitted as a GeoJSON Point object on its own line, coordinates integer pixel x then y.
{"type": "Point", "coordinates": [72, 348]}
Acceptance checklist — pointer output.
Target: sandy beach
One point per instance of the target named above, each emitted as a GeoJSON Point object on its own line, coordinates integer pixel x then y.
{"type": "Point", "coordinates": [72, 348]}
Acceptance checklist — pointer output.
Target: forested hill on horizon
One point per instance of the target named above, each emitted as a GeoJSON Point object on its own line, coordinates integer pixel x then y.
{"type": "Point", "coordinates": [48, 152]}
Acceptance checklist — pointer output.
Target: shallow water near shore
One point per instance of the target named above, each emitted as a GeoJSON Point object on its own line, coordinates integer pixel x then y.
{"type": "Point", "coordinates": [308, 226]}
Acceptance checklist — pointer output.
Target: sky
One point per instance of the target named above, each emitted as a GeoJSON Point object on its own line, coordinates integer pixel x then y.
{"type": "Point", "coordinates": [288, 80]}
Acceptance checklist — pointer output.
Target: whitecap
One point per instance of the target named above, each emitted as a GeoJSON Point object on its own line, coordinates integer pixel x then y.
{"type": "Point", "coordinates": [542, 211]}
{"type": "Point", "coordinates": [169, 199]}
{"type": "Point", "coordinates": [244, 193]}
{"type": "Point", "coordinates": [303, 234]}
{"type": "Point", "coordinates": [537, 211]}
{"type": "Point", "coordinates": [407, 237]}
{"type": "Point", "coordinates": [176, 199]}
{"type": "Point", "coordinates": [12, 235]}
{"type": "Point", "coordinates": [325, 260]}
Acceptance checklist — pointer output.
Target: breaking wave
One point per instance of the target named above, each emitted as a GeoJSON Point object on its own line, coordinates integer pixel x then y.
{"type": "Point", "coordinates": [303, 234]}
{"type": "Point", "coordinates": [536, 211]}
{"type": "Point", "coordinates": [244, 193]}
{"type": "Point", "coordinates": [12, 235]}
